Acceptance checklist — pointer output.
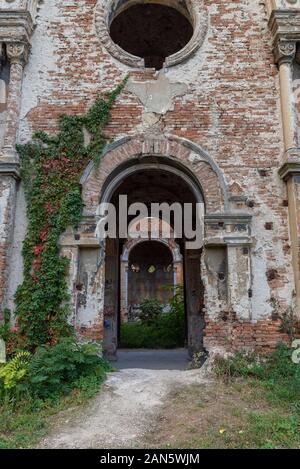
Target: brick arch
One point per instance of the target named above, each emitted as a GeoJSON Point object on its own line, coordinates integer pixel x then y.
{"type": "Point", "coordinates": [173, 150]}
{"type": "Point", "coordinates": [169, 243]}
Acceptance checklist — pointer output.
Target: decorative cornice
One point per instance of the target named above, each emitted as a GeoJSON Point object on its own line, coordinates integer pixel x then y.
{"type": "Point", "coordinates": [291, 164]}
{"type": "Point", "coordinates": [228, 218]}
{"type": "Point", "coordinates": [285, 25]}
{"type": "Point", "coordinates": [8, 168]}
{"type": "Point", "coordinates": [235, 241]}
{"type": "Point", "coordinates": [288, 170]}
{"type": "Point", "coordinates": [15, 26]}
{"type": "Point", "coordinates": [272, 5]}
{"type": "Point", "coordinates": [285, 29]}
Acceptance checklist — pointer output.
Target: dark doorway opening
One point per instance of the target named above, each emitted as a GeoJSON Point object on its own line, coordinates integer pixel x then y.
{"type": "Point", "coordinates": [152, 313]}
{"type": "Point", "coordinates": [124, 263]}
{"type": "Point", "coordinates": [151, 31]}
{"type": "Point", "coordinates": [150, 269]}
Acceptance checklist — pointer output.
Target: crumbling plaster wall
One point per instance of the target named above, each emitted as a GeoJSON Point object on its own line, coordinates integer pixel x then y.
{"type": "Point", "coordinates": [90, 287]}
{"type": "Point", "coordinates": [16, 240]}
{"type": "Point", "coordinates": [7, 212]}
{"type": "Point", "coordinates": [230, 107]}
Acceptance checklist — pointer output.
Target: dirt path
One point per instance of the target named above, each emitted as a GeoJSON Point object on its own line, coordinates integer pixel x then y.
{"type": "Point", "coordinates": [123, 411]}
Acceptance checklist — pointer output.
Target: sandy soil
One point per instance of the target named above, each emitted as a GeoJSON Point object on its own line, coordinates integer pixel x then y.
{"type": "Point", "coordinates": [123, 412]}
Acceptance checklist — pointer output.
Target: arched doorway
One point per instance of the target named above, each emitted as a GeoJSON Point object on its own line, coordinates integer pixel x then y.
{"type": "Point", "coordinates": [150, 267]}
{"type": "Point", "coordinates": [151, 183]}
{"type": "Point", "coordinates": [149, 270]}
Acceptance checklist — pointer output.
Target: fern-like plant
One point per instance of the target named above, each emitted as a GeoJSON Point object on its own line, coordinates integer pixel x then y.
{"type": "Point", "coordinates": [15, 370]}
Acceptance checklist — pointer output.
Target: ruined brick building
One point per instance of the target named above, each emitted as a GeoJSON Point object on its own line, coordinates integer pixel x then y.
{"type": "Point", "coordinates": [209, 113]}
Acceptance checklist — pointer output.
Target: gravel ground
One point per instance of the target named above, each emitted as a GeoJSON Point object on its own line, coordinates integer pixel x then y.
{"type": "Point", "coordinates": [123, 411]}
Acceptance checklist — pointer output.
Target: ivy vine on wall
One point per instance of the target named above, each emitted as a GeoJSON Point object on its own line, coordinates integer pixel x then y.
{"type": "Point", "coordinates": [51, 167]}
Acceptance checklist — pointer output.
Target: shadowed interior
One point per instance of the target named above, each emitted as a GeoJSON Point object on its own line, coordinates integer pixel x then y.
{"type": "Point", "coordinates": [152, 32]}
{"type": "Point", "coordinates": [150, 270]}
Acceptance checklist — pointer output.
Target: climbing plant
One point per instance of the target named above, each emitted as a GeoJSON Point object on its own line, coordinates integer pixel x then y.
{"type": "Point", "coordinates": [50, 168]}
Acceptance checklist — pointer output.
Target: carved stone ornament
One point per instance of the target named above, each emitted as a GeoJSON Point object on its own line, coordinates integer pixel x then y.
{"type": "Point", "coordinates": [285, 52]}
{"type": "Point", "coordinates": [17, 53]}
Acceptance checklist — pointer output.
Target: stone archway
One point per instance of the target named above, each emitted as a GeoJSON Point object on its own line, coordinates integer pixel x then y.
{"type": "Point", "coordinates": [145, 183]}
{"type": "Point", "coordinates": [194, 164]}
{"type": "Point", "coordinates": [94, 264]}
{"type": "Point", "coordinates": [137, 280]}
{"type": "Point", "coordinates": [181, 167]}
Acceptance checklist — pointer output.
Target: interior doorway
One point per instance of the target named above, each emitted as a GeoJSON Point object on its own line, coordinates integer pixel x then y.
{"type": "Point", "coordinates": [150, 268]}
{"type": "Point", "coordinates": [152, 307]}
{"type": "Point", "coordinates": [139, 270]}
{"type": "Point", "coordinates": [148, 271]}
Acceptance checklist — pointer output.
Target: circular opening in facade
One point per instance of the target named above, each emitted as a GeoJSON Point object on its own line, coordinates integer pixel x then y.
{"type": "Point", "coordinates": [151, 31]}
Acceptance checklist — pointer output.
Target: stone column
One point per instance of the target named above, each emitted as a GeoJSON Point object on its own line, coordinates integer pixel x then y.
{"type": "Point", "coordinates": [7, 211]}
{"type": "Point", "coordinates": [17, 54]}
{"type": "Point", "coordinates": [2, 98]}
{"type": "Point", "coordinates": [239, 280]}
{"type": "Point", "coordinates": [284, 56]}
{"type": "Point", "coordinates": [290, 169]}
{"type": "Point", "coordinates": [124, 291]}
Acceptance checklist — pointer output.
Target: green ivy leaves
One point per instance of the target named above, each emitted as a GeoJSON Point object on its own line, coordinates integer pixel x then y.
{"type": "Point", "coordinates": [51, 167]}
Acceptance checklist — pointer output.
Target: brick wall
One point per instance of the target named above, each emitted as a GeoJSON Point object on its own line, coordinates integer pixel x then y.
{"type": "Point", "coordinates": [230, 109]}
{"type": "Point", "coordinates": [236, 335]}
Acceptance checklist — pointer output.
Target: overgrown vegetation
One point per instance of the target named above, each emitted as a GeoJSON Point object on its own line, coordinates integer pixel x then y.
{"type": "Point", "coordinates": [157, 329]}
{"type": "Point", "coordinates": [51, 167]}
{"type": "Point", "coordinates": [24, 424]}
{"type": "Point", "coordinates": [151, 310]}
{"type": "Point", "coordinates": [42, 382]}
{"type": "Point", "coordinates": [254, 402]}
{"type": "Point", "coordinates": [278, 379]}
{"type": "Point", "coordinates": [47, 366]}
{"type": "Point", "coordinates": [52, 371]}
{"type": "Point", "coordinates": [5, 325]}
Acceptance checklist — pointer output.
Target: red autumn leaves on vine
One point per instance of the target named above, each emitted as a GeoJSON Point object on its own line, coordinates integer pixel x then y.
{"type": "Point", "coordinates": [63, 168]}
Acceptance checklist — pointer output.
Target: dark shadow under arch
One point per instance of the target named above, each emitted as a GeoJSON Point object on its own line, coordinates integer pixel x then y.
{"type": "Point", "coordinates": [114, 183]}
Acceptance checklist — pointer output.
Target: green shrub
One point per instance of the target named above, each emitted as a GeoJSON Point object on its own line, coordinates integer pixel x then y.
{"type": "Point", "coordinates": [165, 330]}
{"type": "Point", "coordinates": [276, 366]}
{"type": "Point", "coordinates": [52, 371]}
{"type": "Point", "coordinates": [151, 309]}
{"type": "Point", "coordinates": [55, 370]}
{"type": "Point", "coordinates": [239, 364]}
{"type": "Point", "coordinates": [276, 373]}
{"type": "Point", "coordinates": [279, 365]}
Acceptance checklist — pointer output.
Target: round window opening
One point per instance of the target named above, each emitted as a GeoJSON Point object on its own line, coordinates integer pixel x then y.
{"type": "Point", "coordinates": [151, 31]}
